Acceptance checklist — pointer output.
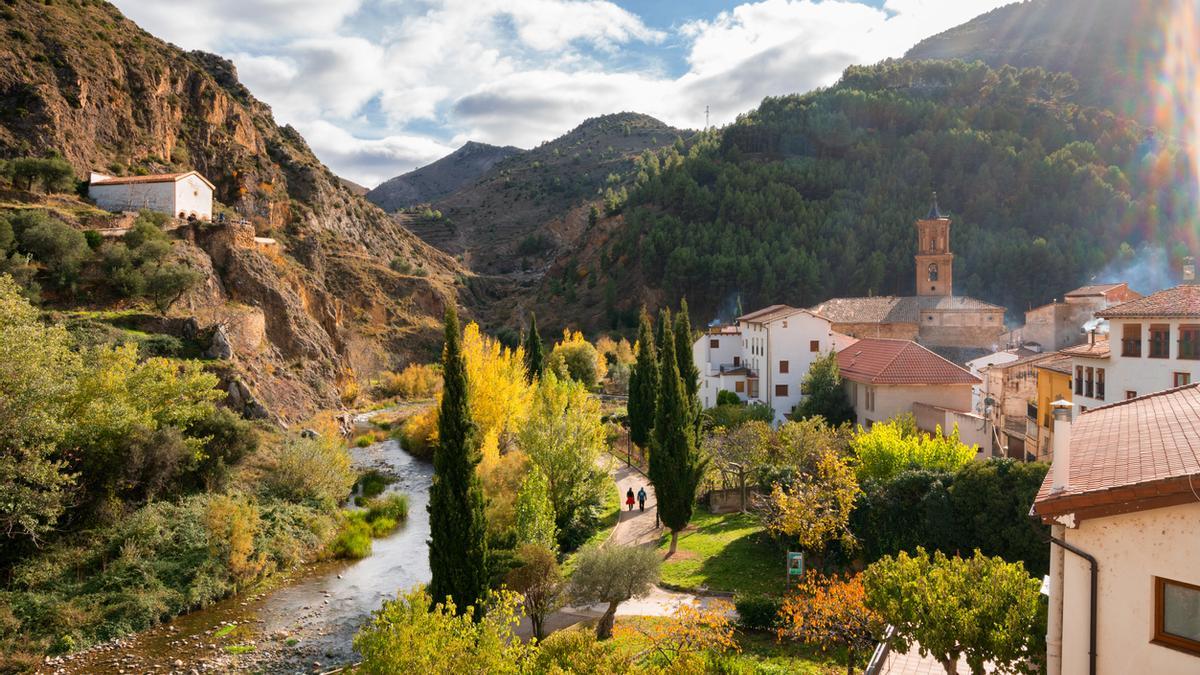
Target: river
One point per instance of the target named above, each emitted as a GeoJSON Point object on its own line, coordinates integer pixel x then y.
{"type": "Point", "coordinates": [307, 621]}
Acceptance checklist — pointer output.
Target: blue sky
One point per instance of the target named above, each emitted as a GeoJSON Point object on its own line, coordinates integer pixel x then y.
{"type": "Point", "coordinates": [379, 87]}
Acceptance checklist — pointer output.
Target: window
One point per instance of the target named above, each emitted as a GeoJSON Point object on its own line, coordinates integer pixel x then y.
{"type": "Point", "coordinates": [1079, 380]}
{"type": "Point", "coordinates": [781, 390]}
{"type": "Point", "coordinates": [783, 368]}
{"type": "Point", "coordinates": [1129, 393]}
{"type": "Point", "coordinates": [870, 396]}
{"type": "Point", "coordinates": [1160, 341]}
{"type": "Point", "coordinates": [933, 272]}
{"type": "Point", "coordinates": [714, 343]}
{"type": "Point", "coordinates": [1189, 342]}
{"type": "Point", "coordinates": [814, 345]}
{"type": "Point", "coordinates": [1177, 615]}
{"type": "Point", "coordinates": [1100, 383]}
{"type": "Point", "coordinates": [739, 387]}
{"type": "Point", "coordinates": [1131, 339]}
{"type": "Point", "coordinates": [785, 323]}
{"type": "Point", "coordinates": [737, 361]}
{"type": "Point", "coordinates": [1182, 379]}
{"type": "Point", "coordinates": [1088, 389]}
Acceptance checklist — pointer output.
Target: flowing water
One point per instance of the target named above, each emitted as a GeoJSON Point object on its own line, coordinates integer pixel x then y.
{"type": "Point", "coordinates": [307, 622]}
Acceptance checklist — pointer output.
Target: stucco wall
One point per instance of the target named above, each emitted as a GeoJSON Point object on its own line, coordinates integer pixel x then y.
{"type": "Point", "coordinates": [193, 197]}
{"type": "Point", "coordinates": [1143, 374]}
{"type": "Point", "coordinates": [891, 401]}
{"type": "Point", "coordinates": [1131, 550]}
{"type": "Point", "coordinates": [1051, 386]}
{"type": "Point", "coordinates": [134, 197]}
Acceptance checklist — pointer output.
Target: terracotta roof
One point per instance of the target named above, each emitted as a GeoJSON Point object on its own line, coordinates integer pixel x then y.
{"type": "Point", "coordinates": [1181, 301]}
{"type": "Point", "coordinates": [1099, 349]}
{"type": "Point", "coordinates": [888, 361]}
{"type": "Point", "coordinates": [1059, 363]}
{"type": "Point", "coordinates": [1144, 450]}
{"type": "Point", "coordinates": [895, 309]}
{"type": "Point", "coordinates": [152, 178]}
{"type": "Point", "coordinates": [1094, 289]}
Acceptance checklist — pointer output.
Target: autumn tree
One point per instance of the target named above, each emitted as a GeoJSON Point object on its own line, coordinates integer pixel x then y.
{"type": "Point", "coordinates": [535, 360]}
{"type": "Point", "coordinates": [830, 612]}
{"type": "Point", "coordinates": [985, 609]}
{"type": "Point", "coordinates": [539, 580]}
{"type": "Point", "coordinates": [886, 449]}
{"type": "Point", "coordinates": [535, 512]}
{"type": "Point", "coordinates": [676, 466]}
{"type": "Point", "coordinates": [643, 385]}
{"type": "Point", "coordinates": [612, 575]}
{"type": "Point", "coordinates": [457, 544]}
{"type": "Point", "coordinates": [577, 359]}
{"type": "Point", "coordinates": [813, 508]}
{"type": "Point", "coordinates": [498, 374]}
{"type": "Point", "coordinates": [693, 631]}
{"type": "Point", "coordinates": [824, 394]}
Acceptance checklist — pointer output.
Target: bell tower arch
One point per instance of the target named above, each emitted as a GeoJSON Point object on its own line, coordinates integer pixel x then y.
{"type": "Point", "coordinates": [935, 262]}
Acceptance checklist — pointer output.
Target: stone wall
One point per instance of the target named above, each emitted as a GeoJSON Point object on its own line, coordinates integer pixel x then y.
{"type": "Point", "coordinates": [899, 331]}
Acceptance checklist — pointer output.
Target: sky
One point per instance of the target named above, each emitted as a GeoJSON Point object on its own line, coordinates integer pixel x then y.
{"type": "Point", "coordinates": [379, 87]}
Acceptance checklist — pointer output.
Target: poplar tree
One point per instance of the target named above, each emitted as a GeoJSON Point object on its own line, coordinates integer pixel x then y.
{"type": "Point", "coordinates": [535, 358]}
{"type": "Point", "coordinates": [687, 365]}
{"type": "Point", "coordinates": [643, 385]}
{"type": "Point", "coordinates": [675, 462]}
{"type": "Point", "coordinates": [457, 547]}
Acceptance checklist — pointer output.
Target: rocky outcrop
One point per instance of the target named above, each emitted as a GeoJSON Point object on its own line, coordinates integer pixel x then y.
{"type": "Point", "coordinates": [438, 179]}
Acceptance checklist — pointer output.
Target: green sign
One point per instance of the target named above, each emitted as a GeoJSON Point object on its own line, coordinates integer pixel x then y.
{"type": "Point", "coordinates": [795, 563]}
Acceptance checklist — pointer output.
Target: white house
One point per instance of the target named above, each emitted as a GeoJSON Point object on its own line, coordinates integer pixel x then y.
{"type": "Point", "coordinates": [1153, 344]}
{"type": "Point", "coordinates": [183, 195]}
{"type": "Point", "coordinates": [764, 357]}
{"type": "Point", "coordinates": [1122, 501]}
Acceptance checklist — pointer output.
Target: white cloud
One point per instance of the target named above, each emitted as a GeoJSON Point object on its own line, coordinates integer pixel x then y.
{"type": "Point", "coordinates": [518, 73]}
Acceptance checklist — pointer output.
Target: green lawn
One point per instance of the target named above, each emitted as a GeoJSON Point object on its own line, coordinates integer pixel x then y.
{"type": "Point", "coordinates": [727, 552]}
{"type": "Point", "coordinates": [759, 653]}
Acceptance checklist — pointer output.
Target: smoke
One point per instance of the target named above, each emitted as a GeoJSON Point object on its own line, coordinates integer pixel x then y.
{"type": "Point", "coordinates": [1148, 270]}
{"type": "Point", "coordinates": [729, 309]}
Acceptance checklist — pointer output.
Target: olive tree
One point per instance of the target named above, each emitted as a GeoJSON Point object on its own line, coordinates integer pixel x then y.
{"type": "Point", "coordinates": [613, 574]}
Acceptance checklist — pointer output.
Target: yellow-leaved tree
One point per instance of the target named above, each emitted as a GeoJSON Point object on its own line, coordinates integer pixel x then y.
{"type": "Point", "coordinates": [574, 358]}
{"type": "Point", "coordinates": [500, 394]}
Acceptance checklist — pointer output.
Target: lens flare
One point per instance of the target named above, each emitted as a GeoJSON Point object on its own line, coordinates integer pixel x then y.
{"type": "Point", "coordinates": [1176, 99]}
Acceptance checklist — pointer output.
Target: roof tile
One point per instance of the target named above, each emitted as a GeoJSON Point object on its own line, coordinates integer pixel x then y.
{"type": "Point", "coordinates": [888, 361]}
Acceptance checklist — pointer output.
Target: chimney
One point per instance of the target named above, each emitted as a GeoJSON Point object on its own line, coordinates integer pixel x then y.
{"type": "Point", "coordinates": [1189, 270]}
{"type": "Point", "coordinates": [1060, 465]}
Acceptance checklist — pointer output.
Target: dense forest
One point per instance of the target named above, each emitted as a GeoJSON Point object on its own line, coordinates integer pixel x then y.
{"type": "Point", "coordinates": [814, 195]}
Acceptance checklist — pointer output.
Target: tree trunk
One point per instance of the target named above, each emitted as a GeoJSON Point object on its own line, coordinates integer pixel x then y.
{"type": "Point", "coordinates": [850, 661]}
{"type": "Point", "coordinates": [674, 541]}
{"type": "Point", "coordinates": [951, 665]}
{"type": "Point", "coordinates": [604, 626]}
{"type": "Point", "coordinates": [537, 626]}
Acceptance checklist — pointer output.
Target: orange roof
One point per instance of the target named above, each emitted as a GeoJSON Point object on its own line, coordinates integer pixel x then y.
{"type": "Point", "coordinates": [1181, 301]}
{"type": "Point", "coordinates": [152, 178]}
{"type": "Point", "coordinates": [889, 361]}
{"type": "Point", "coordinates": [1100, 349]}
{"type": "Point", "coordinates": [1130, 455]}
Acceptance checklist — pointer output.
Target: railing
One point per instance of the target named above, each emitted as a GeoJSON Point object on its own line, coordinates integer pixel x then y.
{"type": "Point", "coordinates": [882, 651]}
{"type": "Point", "coordinates": [1131, 347]}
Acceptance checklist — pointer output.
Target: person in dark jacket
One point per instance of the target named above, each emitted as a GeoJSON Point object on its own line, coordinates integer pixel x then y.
{"type": "Point", "coordinates": [641, 496]}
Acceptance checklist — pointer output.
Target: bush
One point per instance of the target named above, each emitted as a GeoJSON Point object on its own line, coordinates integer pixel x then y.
{"type": "Point", "coordinates": [59, 247]}
{"type": "Point", "coordinates": [418, 434]}
{"type": "Point", "coordinates": [416, 381]}
{"type": "Point", "coordinates": [371, 483]}
{"type": "Point", "coordinates": [393, 507]}
{"type": "Point", "coordinates": [732, 415]}
{"type": "Point", "coordinates": [166, 283]}
{"type": "Point", "coordinates": [726, 397]}
{"type": "Point", "coordinates": [758, 612]}
{"type": "Point", "coordinates": [353, 539]}
{"type": "Point", "coordinates": [576, 359]}
{"type": "Point", "coordinates": [310, 470]}
{"type": "Point", "coordinates": [364, 440]}
{"type": "Point", "coordinates": [160, 345]}
{"type": "Point", "coordinates": [888, 448]}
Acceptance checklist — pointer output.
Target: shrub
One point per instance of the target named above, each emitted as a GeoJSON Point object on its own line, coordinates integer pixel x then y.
{"type": "Point", "coordinates": [576, 359]}
{"type": "Point", "coordinates": [416, 381]}
{"type": "Point", "coordinates": [310, 470]}
{"type": "Point", "coordinates": [726, 397]}
{"type": "Point", "coordinates": [159, 345]}
{"type": "Point", "coordinates": [371, 483]}
{"type": "Point", "coordinates": [59, 247]}
{"type": "Point", "coordinates": [168, 282]}
{"type": "Point", "coordinates": [418, 434]}
{"type": "Point", "coordinates": [393, 507]}
{"type": "Point", "coordinates": [758, 612]}
{"type": "Point", "coordinates": [93, 238]}
{"type": "Point", "coordinates": [364, 440]}
{"type": "Point", "coordinates": [732, 415]}
{"type": "Point", "coordinates": [353, 539]}
{"type": "Point", "coordinates": [578, 651]}
{"type": "Point", "coordinates": [888, 448]}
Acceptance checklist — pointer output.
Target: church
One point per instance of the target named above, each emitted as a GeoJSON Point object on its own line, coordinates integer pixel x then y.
{"type": "Point", "coordinates": [934, 316]}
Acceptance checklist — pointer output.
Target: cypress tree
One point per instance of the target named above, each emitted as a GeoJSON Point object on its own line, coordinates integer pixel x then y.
{"type": "Point", "coordinates": [643, 385]}
{"type": "Point", "coordinates": [683, 354]}
{"type": "Point", "coordinates": [675, 463]}
{"type": "Point", "coordinates": [535, 358]}
{"type": "Point", "coordinates": [457, 547]}
{"type": "Point", "coordinates": [662, 328]}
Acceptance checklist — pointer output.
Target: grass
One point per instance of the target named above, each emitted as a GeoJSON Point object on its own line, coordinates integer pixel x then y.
{"type": "Point", "coordinates": [727, 552]}
{"type": "Point", "coordinates": [239, 649]}
{"type": "Point", "coordinates": [225, 630]}
{"type": "Point", "coordinates": [759, 653]}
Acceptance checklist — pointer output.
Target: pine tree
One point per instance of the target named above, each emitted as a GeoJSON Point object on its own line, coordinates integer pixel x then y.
{"type": "Point", "coordinates": [643, 385]}
{"type": "Point", "coordinates": [687, 365]}
{"type": "Point", "coordinates": [675, 462]}
{"type": "Point", "coordinates": [457, 548]}
{"type": "Point", "coordinates": [824, 395]}
{"type": "Point", "coordinates": [535, 358]}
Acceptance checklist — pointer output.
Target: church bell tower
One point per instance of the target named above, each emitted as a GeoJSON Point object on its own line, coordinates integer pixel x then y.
{"type": "Point", "coordinates": [935, 262]}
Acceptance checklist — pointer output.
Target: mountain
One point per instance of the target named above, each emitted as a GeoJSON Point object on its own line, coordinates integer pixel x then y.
{"type": "Point", "coordinates": [814, 196]}
{"type": "Point", "coordinates": [354, 188]}
{"type": "Point", "coordinates": [440, 178]}
{"type": "Point", "coordinates": [81, 80]}
{"type": "Point", "coordinates": [1113, 48]}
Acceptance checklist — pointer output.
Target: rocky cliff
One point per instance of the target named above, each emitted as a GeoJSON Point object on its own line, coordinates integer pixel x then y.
{"type": "Point", "coordinates": [81, 80]}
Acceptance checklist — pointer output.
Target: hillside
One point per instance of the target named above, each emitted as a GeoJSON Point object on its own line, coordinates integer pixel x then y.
{"type": "Point", "coordinates": [813, 196]}
{"type": "Point", "coordinates": [531, 205]}
{"type": "Point", "coordinates": [438, 179]}
{"type": "Point", "coordinates": [1111, 47]}
{"type": "Point", "coordinates": [80, 80]}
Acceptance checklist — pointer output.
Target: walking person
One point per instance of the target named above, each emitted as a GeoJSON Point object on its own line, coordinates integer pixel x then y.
{"type": "Point", "coordinates": [629, 499]}
{"type": "Point", "coordinates": [641, 495]}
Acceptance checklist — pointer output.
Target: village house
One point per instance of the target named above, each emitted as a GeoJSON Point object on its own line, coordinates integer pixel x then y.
{"type": "Point", "coordinates": [1053, 384]}
{"type": "Point", "coordinates": [1123, 501]}
{"type": "Point", "coordinates": [764, 357]}
{"type": "Point", "coordinates": [885, 377]}
{"type": "Point", "coordinates": [181, 195]}
{"type": "Point", "coordinates": [1153, 344]}
{"type": "Point", "coordinates": [1067, 323]}
{"type": "Point", "coordinates": [1010, 394]}
{"type": "Point", "coordinates": [934, 316]}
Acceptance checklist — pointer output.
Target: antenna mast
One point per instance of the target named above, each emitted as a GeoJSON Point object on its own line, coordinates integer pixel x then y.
{"type": "Point", "coordinates": [706, 118]}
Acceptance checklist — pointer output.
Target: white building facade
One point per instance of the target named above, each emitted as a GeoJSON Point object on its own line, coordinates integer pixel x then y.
{"type": "Point", "coordinates": [181, 195]}
{"type": "Point", "coordinates": [1153, 344]}
{"type": "Point", "coordinates": [764, 357]}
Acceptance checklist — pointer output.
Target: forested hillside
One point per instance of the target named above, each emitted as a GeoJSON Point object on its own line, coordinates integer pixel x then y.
{"type": "Point", "coordinates": [814, 195]}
